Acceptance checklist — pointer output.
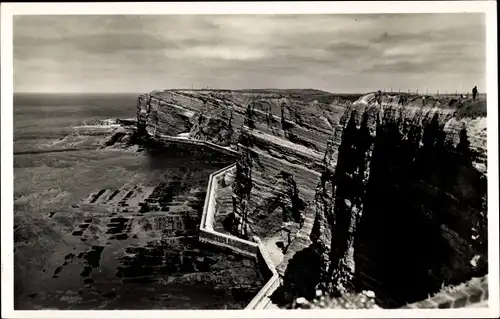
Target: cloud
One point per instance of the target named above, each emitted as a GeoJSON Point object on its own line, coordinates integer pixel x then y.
{"type": "Point", "coordinates": [223, 53]}
{"type": "Point", "coordinates": [335, 52]}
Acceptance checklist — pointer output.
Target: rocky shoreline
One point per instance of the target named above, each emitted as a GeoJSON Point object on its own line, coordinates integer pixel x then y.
{"type": "Point", "coordinates": [138, 234]}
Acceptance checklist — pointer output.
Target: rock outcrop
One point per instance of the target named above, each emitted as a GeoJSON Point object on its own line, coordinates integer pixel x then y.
{"type": "Point", "coordinates": [303, 118]}
{"type": "Point", "coordinates": [214, 124]}
{"type": "Point", "coordinates": [407, 196]}
{"type": "Point", "coordinates": [166, 113]}
{"type": "Point", "coordinates": [291, 203]}
{"type": "Point", "coordinates": [242, 188]}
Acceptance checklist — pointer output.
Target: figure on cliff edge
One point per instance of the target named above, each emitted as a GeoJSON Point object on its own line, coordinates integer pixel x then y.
{"type": "Point", "coordinates": [474, 92]}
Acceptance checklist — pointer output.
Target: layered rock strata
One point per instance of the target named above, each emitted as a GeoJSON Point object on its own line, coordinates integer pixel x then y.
{"type": "Point", "coordinates": [397, 183]}
{"type": "Point", "coordinates": [298, 118]}
{"type": "Point", "coordinates": [408, 202]}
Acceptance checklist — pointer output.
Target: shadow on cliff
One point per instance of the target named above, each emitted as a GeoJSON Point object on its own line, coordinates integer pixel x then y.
{"type": "Point", "coordinates": [301, 277]}
{"type": "Point", "coordinates": [163, 154]}
{"type": "Point", "coordinates": [272, 204]}
{"type": "Point", "coordinates": [422, 206]}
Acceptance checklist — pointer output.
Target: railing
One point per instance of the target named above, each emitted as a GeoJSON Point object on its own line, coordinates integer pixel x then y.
{"type": "Point", "coordinates": [240, 246]}
{"type": "Point", "coordinates": [208, 214]}
{"type": "Point", "coordinates": [207, 232]}
{"type": "Point", "coordinates": [261, 300]}
{"type": "Point", "coordinates": [476, 293]}
{"type": "Point", "coordinates": [224, 241]}
{"type": "Point", "coordinates": [237, 245]}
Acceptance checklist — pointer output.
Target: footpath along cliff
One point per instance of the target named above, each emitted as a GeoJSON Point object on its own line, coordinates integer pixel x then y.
{"type": "Point", "coordinates": [395, 185]}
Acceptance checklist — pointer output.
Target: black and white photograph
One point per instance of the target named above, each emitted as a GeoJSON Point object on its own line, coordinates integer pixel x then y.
{"type": "Point", "coordinates": [235, 160]}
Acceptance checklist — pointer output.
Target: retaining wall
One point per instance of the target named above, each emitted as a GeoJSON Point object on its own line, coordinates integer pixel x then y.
{"type": "Point", "coordinates": [473, 292]}
{"type": "Point", "coordinates": [253, 249]}
{"type": "Point", "coordinates": [262, 299]}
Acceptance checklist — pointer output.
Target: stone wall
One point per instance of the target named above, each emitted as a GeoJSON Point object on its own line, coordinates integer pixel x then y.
{"type": "Point", "coordinates": [234, 244]}
{"type": "Point", "coordinates": [473, 292]}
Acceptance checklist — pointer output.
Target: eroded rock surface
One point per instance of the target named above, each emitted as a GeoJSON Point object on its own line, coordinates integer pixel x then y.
{"type": "Point", "coordinates": [392, 187]}
{"type": "Point", "coordinates": [404, 210]}
{"type": "Point", "coordinates": [303, 117]}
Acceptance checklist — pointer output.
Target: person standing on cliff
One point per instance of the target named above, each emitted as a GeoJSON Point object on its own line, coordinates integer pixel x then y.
{"type": "Point", "coordinates": [474, 92]}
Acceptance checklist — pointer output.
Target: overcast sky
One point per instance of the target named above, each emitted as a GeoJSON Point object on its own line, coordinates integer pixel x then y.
{"type": "Point", "coordinates": [337, 53]}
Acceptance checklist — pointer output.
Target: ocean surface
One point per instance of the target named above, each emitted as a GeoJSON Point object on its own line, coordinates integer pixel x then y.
{"type": "Point", "coordinates": [58, 165]}
{"type": "Point", "coordinates": [40, 118]}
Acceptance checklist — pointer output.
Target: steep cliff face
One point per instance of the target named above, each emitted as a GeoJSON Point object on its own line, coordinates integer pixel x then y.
{"type": "Point", "coordinates": [214, 124]}
{"type": "Point", "coordinates": [340, 201]}
{"type": "Point", "coordinates": [166, 113]}
{"type": "Point", "coordinates": [261, 206]}
{"type": "Point", "coordinates": [303, 118]}
{"type": "Point", "coordinates": [242, 188]}
{"type": "Point", "coordinates": [397, 182]}
{"type": "Point", "coordinates": [291, 203]}
{"type": "Point", "coordinates": [288, 129]}
{"type": "Point", "coordinates": [405, 205]}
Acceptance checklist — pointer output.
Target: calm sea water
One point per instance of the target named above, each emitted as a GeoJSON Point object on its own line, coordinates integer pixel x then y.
{"type": "Point", "coordinates": [42, 117]}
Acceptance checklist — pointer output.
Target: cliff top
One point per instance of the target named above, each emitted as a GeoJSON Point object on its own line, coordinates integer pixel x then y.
{"type": "Point", "coordinates": [462, 105]}
{"type": "Point", "coordinates": [305, 95]}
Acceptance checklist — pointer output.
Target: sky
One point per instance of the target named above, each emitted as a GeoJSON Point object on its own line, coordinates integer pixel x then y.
{"type": "Point", "coordinates": [337, 53]}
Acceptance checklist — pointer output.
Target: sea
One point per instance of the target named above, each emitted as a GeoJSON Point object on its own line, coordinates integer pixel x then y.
{"type": "Point", "coordinates": [58, 162]}
{"type": "Point", "coordinates": [41, 118]}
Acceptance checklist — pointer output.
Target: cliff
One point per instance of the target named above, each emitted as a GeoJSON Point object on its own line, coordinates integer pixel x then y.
{"type": "Point", "coordinates": [392, 188]}
{"type": "Point", "coordinates": [408, 201]}
{"type": "Point", "coordinates": [214, 124]}
{"type": "Point", "coordinates": [167, 114]}
{"type": "Point", "coordinates": [296, 116]}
